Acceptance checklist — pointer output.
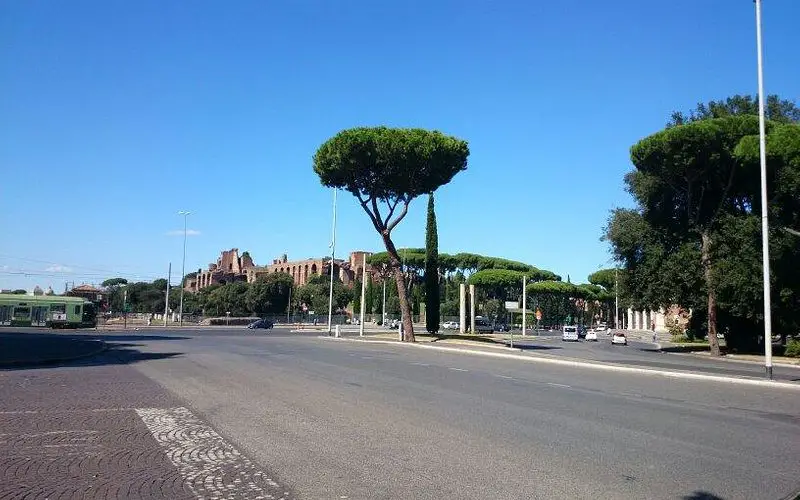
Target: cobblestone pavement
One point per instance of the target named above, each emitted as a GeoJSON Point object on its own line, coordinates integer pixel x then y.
{"type": "Point", "coordinates": [106, 431]}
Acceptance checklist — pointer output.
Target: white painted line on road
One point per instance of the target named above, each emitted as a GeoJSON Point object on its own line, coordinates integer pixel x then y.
{"type": "Point", "coordinates": [366, 357]}
{"type": "Point", "coordinates": [421, 364]}
{"type": "Point", "coordinates": [459, 369]}
{"type": "Point", "coordinates": [591, 365]}
{"type": "Point", "coordinates": [559, 385]}
{"type": "Point", "coordinates": [209, 465]}
{"type": "Point", "coordinates": [506, 377]}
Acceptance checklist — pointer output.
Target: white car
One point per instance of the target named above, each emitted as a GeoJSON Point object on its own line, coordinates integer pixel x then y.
{"type": "Point", "coordinates": [591, 335]}
{"type": "Point", "coordinates": [619, 338]}
{"type": "Point", "coordinates": [569, 333]}
{"type": "Point", "coordinates": [450, 325]}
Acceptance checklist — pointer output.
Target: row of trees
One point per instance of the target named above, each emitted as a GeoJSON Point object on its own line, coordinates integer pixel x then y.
{"type": "Point", "coordinates": [694, 237]}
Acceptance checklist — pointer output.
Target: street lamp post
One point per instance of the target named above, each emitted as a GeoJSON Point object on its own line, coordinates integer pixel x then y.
{"type": "Point", "coordinates": [183, 266]}
{"type": "Point", "coordinates": [616, 298]}
{"type": "Point", "coordinates": [333, 253]}
{"type": "Point", "coordinates": [764, 216]}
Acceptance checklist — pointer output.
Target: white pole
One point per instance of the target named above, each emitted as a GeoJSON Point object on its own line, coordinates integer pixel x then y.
{"type": "Point", "coordinates": [166, 302]}
{"type": "Point", "coordinates": [363, 294]}
{"type": "Point", "coordinates": [333, 252]}
{"type": "Point", "coordinates": [616, 298]}
{"type": "Point", "coordinates": [524, 305]}
{"type": "Point", "coordinates": [383, 318]}
{"type": "Point", "coordinates": [764, 216]}
{"type": "Point", "coordinates": [183, 266]}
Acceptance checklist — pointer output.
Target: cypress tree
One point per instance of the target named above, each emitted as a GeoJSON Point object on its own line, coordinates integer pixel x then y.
{"type": "Point", "coordinates": [431, 271]}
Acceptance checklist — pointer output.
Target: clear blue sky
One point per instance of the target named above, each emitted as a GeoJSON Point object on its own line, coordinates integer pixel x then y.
{"type": "Point", "coordinates": [117, 114]}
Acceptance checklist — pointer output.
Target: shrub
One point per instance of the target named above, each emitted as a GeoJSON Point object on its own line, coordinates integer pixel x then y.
{"type": "Point", "coordinates": [792, 349]}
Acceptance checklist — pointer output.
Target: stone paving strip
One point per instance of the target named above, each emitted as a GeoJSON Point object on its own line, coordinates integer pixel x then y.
{"type": "Point", "coordinates": [211, 467]}
{"type": "Point", "coordinates": [105, 431]}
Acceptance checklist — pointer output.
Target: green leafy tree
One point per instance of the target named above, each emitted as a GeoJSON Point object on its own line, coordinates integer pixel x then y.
{"type": "Point", "coordinates": [390, 167]}
{"type": "Point", "coordinates": [777, 110]}
{"type": "Point", "coordinates": [431, 270]}
{"type": "Point", "coordinates": [269, 294]}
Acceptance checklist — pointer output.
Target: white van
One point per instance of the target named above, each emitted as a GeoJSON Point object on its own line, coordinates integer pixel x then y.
{"type": "Point", "coordinates": [569, 333]}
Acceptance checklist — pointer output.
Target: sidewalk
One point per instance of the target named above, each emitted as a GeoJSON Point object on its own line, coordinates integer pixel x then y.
{"type": "Point", "coordinates": [31, 349]}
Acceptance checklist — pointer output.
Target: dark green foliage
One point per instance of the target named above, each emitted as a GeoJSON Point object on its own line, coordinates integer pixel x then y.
{"type": "Point", "coordinates": [792, 349]}
{"type": "Point", "coordinates": [269, 294]}
{"type": "Point", "coordinates": [695, 237]}
{"type": "Point", "coordinates": [389, 167]}
{"type": "Point", "coordinates": [114, 282]}
{"type": "Point", "coordinates": [316, 292]}
{"type": "Point", "coordinates": [431, 270]}
{"type": "Point", "coordinates": [777, 110]}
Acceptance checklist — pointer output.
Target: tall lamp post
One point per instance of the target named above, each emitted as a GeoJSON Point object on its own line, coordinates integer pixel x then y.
{"type": "Point", "coordinates": [764, 216]}
{"type": "Point", "coordinates": [333, 252]}
{"type": "Point", "coordinates": [183, 266]}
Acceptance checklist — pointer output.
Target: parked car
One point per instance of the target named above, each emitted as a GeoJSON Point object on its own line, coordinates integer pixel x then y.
{"type": "Point", "coordinates": [569, 333]}
{"type": "Point", "coordinates": [591, 335]}
{"type": "Point", "coordinates": [500, 327]}
{"type": "Point", "coordinates": [261, 323]}
{"type": "Point", "coordinates": [619, 338]}
{"type": "Point", "coordinates": [450, 325]}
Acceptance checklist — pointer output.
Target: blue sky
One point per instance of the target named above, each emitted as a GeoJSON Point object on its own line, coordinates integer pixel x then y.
{"type": "Point", "coordinates": [118, 114]}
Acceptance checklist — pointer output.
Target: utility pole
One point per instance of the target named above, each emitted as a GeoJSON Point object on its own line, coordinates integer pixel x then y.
{"type": "Point", "coordinates": [183, 266]}
{"type": "Point", "coordinates": [762, 142]}
{"type": "Point", "coordinates": [289, 305]}
{"type": "Point", "coordinates": [166, 302]}
{"type": "Point", "coordinates": [125, 309]}
{"type": "Point", "coordinates": [616, 298]}
{"type": "Point", "coordinates": [333, 253]}
{"type": "Point", "coordinates": [524, 305]}
{"type": "Point", "coordinates": [383, 317]}
{"type": "Point", "coordinates": [363, 293]}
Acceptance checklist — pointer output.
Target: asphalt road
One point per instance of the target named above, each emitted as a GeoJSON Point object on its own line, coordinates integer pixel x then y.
{"type": "Point", "coordinates": [340, 419]}
{"type": "Point", "coordinates": [645, 355]}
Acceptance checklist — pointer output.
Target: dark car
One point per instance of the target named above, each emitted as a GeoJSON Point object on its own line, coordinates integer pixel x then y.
{"type": "Point", "coordinates": [261, 323]}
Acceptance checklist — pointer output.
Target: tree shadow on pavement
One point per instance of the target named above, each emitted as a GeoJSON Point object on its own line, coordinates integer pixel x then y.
{"type": "Point", "coordinates": [702, 495]}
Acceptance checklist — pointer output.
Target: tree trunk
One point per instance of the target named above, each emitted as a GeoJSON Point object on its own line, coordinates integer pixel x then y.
{"type": "Point", "coordinates": [705, 252]}
{"type": "Point", "coordinates": [402, 293]}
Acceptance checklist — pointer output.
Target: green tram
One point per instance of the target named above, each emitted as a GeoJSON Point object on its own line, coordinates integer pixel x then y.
{"type": "Point", "coordinates": [47, 310]}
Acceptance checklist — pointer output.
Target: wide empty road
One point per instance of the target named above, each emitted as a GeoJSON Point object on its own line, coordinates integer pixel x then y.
{"type": "Point", "coordinates": [341, 419]}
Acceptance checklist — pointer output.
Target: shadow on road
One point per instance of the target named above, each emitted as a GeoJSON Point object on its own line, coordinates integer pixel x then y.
{"type": "Point", "coordinates": [702, 495]}
{"type": "Point", "coordinates": [535, 347]}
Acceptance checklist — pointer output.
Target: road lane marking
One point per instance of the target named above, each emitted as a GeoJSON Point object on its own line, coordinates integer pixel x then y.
{"type": "Point", "coordinates": [559, 385]}
{"type": "Point", "coordinates": [459, 369]}
{"type": "Point", "coordinates": [506, 377]}
{"type": "Point", "coordinates": [420, 364]}
{"type": "Point", "coordinates": [210, 466]}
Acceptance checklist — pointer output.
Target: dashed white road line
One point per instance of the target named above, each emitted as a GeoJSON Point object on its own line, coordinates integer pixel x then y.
{"type": "Point", "coordinates": [210, 466]}
{"type": "Point", "coordinates": [420, 364]}
{"type": "Point", "coordinates": [459, 369]}
{"type": "Point", "coordinates": [559, 385]}
{"type": "Point", "coordinates": [506, 377]}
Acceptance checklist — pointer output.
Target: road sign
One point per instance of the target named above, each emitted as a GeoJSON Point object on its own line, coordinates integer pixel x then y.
{"type": "Point", "coordinates": [512, 305]}
{"type": "Point", "coordinates": [538, 315]}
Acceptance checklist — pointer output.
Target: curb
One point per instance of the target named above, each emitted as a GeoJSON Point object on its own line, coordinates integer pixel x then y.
{"type": "Point", "coordinates": [593, 366]}
{"type": "Point", "coordinates": [54, 361]}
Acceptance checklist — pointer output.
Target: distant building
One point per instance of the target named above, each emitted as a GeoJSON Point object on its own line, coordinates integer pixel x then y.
{"type": "Point", "coordinates": [229, 268]}
{"type": "Point", "coordinates": [88, 292]}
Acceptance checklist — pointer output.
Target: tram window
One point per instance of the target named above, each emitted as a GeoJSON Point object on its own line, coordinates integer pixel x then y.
{"type": "Point", "coordinates": [22, 312]}
{"type": "Point", "coordinates": [77, 309]}
{"type": "Point", "coordinates": [58, 308]}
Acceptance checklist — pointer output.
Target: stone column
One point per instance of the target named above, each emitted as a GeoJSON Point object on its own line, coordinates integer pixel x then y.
{"type": "Point", "coordinates": [472, 308]}
{"type": "Point", "coordinates": [661, 321]}
{"type": "Point", "coordinates": [462, 308]}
